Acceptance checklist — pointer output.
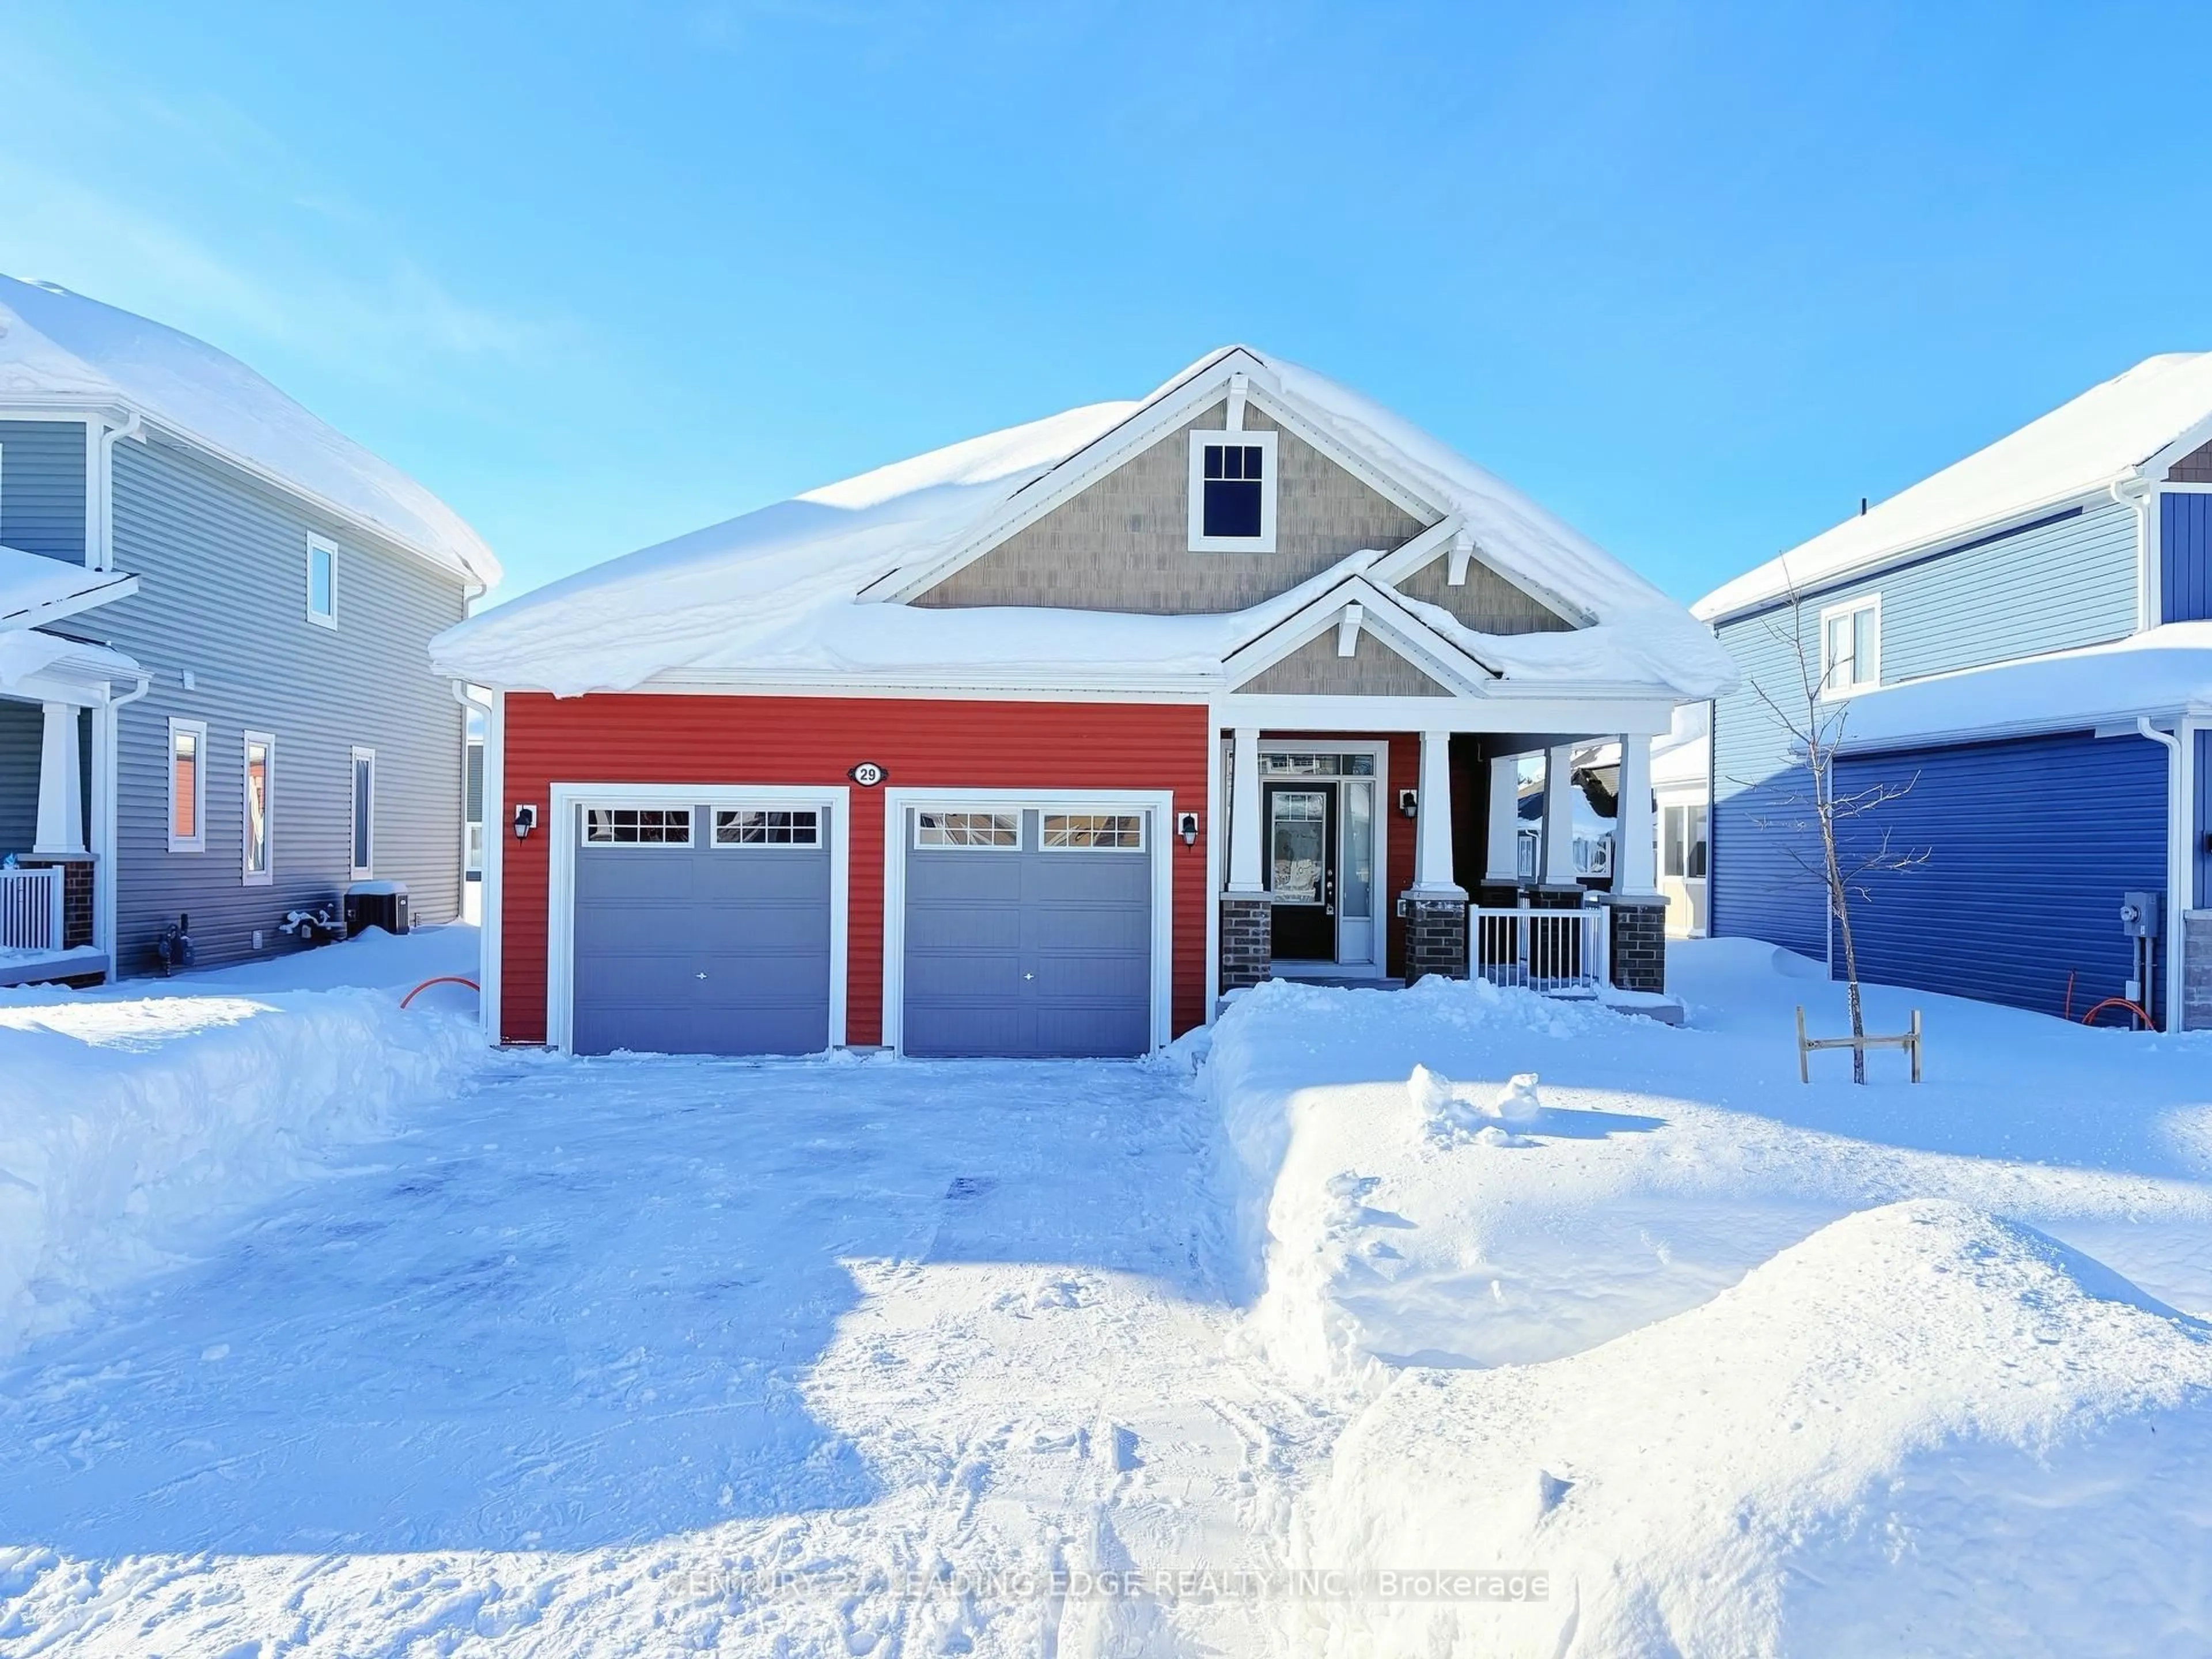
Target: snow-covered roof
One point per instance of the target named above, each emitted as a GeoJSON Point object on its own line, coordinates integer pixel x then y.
{"type": "Point", "coordinates": [62, 350]}
{"type": "Point", "coordinates": [2161, 672]}
{"type": "Point", "coordinates": [35, 589]}
{"type": "Point", "coordinates": [2106, 435]}
{"type": "Point", "coordinates": [25, 652]}
{"type": "Point", "coordinates": [777, 593]}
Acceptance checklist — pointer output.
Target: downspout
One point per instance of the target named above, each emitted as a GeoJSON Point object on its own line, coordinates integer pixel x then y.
{"type": "Point", "coordinates": [2177, 864]}
{"type": "Point", "coordinates": [133, 428]}
{"type": "Point", "coordinates": [2132, 490]}
{"type": "Point", "coordinates": [490, 907]}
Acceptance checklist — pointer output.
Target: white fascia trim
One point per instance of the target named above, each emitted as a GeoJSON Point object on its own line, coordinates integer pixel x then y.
{"type": "Point", "coordinates": [1379, 614]}
{"type": "Point", "coordinates": [2195, 438]}
{"type": "Point", "coordinates": [564, 799]}
{"type": "Point", "coordinates": [1935, 546]}
{"type": "Point", "coordinates": [1160, 803]}
{"type": "Point", "coordinates": [123, 413]}
{"type": "Point", "coordinates": [105, 587]}
{"type": "Point", "coordinates": [1163, 687]}
{"type": "Point", "coordinates": [1644, 714]}
{"type": "Point", "coordinates": [1169, 411]}
{"type": "Point", "coordinates": [1439, 541]}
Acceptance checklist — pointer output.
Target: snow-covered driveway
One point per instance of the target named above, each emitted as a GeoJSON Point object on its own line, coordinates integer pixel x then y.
{"type": "Point", "coordinates": [595, 1338]}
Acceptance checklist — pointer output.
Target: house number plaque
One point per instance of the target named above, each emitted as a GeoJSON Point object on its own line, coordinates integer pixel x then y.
{"type": "Point", "coordinates": [867, 774]}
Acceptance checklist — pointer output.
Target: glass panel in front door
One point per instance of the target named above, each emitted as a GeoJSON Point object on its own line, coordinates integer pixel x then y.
{"type": "Point", "coordinates": [1298, 842]}
{"type": "Point", "coordinates": [1355, 910]}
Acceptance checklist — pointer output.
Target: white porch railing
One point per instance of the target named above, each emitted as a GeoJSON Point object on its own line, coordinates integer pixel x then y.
{"type": "Point", "coordinates": [30, 909]}
{"type": "Point", "coordinates": [1558, 952]}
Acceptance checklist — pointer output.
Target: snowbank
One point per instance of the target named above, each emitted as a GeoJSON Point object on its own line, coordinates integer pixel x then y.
{"type": "Point", "coordinates": [129, 1116]}
{"type": "Point", "coordinates": [1922, 1429]}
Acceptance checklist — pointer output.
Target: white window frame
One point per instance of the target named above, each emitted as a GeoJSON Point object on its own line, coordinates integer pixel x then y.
{"type": "Point", "coordinates": [564, 802]}
{"type": "Point", "coordinates": [329, 550]}
{"type": "Point", "coordinates": [1270, 491]}
{"type": "Point", "coordinates": [1144, 830]}
{"type": "Point", "coordinates": [1865, 676]}
{"type": "Point", "coordinates": [990, 811]}
{"type": "Point", "coordinates": [1160, 803]}
{"type": "Point", "coordinates": [266, 874]}
{"type": "Point", "coordinates": [715, 836]}
{"type": "Point", "coordinates": [580, 825]}
{"type": "Point", "coordinates": [353, 816]}
{"type": "Point", "coordinates": [197, 841]}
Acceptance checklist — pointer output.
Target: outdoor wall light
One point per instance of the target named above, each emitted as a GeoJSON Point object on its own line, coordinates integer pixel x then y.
{"type": "Point", "coordinates": [1409, 803]}
{"type": "Point", "coordinates": [525, 820]}
{"type": "Point", "coordinates": [1186, 827]}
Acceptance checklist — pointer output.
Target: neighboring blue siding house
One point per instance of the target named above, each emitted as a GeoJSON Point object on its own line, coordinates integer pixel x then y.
{"type": "Point", "coordinates": [214, 617]}
{"type": "Point", "coordinates": [2022, 645]}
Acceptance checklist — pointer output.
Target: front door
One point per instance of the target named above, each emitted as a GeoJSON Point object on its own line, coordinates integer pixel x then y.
{"type": "Point", "coordinates": [1302, 869]}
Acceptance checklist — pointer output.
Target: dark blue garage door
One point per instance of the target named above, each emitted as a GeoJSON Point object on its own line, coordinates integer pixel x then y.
{"type": "Point", "coordinates": [701, 930]}
{"type": "Point", "coordinates": [1027, 933]}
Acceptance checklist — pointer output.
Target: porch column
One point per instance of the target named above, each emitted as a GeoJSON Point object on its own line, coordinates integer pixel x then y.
{"type": "Point", "coordinates": [1432, 841]}
{"type": "Point", "coordinates": [1244, 827]}
{"type": "Point", "coordinates": [1635, 862]}
{"type": "Point", "coordinates": [1502, 861]}
{"type": "Point", "coordinates": [61, 803]}
{"type": "Point", "coordinates": [1557, 869]}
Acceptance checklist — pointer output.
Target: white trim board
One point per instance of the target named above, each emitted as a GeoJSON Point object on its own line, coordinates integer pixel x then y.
{"type": "Point", "coordinates": [564, 799]}
{"type": "Point", "coordinates": [1160, 803]}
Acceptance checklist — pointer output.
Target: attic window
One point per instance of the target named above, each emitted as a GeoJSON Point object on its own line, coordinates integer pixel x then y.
{"type": "Point", "coordinates": [1232, 492]}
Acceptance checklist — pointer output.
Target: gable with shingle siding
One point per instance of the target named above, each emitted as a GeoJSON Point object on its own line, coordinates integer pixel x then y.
{"type": "Point", "coordinates": [1124, 542]}
{"type": "Point", "coordinates": [1373, 670]}
{"type": "Point", "coordinates": [1485, 601]}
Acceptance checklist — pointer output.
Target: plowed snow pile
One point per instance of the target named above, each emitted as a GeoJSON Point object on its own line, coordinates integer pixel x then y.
{"type": "Point", "coordinates": [1797, 1380]}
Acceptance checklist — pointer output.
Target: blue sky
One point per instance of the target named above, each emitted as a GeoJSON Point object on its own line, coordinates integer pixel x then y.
{"type": "Point", "coordinates": [1697, 276]}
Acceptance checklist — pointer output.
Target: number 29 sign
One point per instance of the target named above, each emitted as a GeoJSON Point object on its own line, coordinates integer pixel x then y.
{"type": "Point", "coordinates": [867, 774]}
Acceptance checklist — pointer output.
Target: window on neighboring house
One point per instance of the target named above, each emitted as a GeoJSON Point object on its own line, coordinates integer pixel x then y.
{"type": "Point", "coordinates": [323, 584]}
{"type": "Point", "coordinates": [363, 815]}
{"type": "Point", "coordinates": [1232, 492]}
{"type": "Point", "coordinates": [188, 786]}
{"type": "Point", "coordinates": [1850, 646]}
{"type": "Point", "coordinates": [260, 769]}
{"type": "Point", "coordinates": [1682, 852]}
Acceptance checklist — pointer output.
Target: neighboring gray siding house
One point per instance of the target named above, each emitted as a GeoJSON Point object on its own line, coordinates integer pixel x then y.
{"type": "Point", "coordinates": [2022, 644]}
{"type": "Point", "coordinates": [214, 612]}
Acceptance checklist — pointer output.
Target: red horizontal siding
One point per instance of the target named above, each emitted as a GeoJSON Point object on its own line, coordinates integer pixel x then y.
{"type": "Point", "coordinates": [645, 739]}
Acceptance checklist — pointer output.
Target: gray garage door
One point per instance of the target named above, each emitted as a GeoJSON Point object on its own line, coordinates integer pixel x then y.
{"type": "Point", "coordinates": [701, 930]}
{"type": "Point", "coordinates": [1027, 933]}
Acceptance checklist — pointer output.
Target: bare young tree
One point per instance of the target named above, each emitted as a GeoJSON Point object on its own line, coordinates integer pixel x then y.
{"type": "Point", "coordinates": [1813, 720]}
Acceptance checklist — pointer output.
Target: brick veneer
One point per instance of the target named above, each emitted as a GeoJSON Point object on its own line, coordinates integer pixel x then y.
{"type": "Point", "coordinates": [1247, 941]}
{"type": "Point", "coordinates": [2196, 969]}
{"type": "Point", "coordinates": [1436, 937]}
{"type": "Point", "coordinates": [1638, 932]}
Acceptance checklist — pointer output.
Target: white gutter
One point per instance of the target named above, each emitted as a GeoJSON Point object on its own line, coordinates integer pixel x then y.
{"type": "Point", "coordinates": [103, 492]}
{"type": "Point", "coordinates": [2132, 490]}
{"type": "Point", "coordinates": [2177, 860]}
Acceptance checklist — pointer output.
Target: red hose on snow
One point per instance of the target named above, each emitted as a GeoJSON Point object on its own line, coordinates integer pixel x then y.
{"type": "Point", "coordinates": [442, 979]}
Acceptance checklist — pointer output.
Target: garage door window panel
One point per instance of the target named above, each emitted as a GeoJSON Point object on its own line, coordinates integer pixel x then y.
{"type": "Point", "coordinates": [747, 826]}
{"type": "Point", "coordinates": [637, 826]}
{"type": "Point", "coordinates": [988, 832]}
{"type": "Point", "coordinates": [1094, 832]}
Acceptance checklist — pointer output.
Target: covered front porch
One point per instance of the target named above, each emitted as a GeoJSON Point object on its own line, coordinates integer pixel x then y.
{"type": "Point", "coordinates": [57, 703]}
{"type": "Point", "coordinates": [1385, 857]}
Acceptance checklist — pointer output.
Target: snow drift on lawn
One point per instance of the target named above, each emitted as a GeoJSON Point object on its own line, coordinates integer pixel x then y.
{"type": "Point", "coordinates": [1922, 1430]}
{"type": "Point", "coordinates": [1737, 1384]}
{"type": "Point", "coordinates": [131, 1117]}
